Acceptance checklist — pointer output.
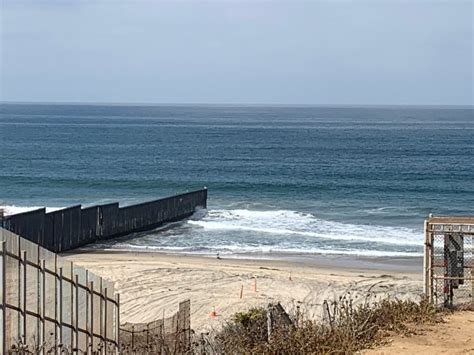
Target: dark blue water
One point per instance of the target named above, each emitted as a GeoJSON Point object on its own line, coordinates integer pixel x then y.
{"type": "Point", "coordinates": [280, 179]}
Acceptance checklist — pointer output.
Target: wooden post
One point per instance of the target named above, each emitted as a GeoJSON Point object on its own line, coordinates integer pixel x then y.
{"type": "Point", "coordinates": [148, 334]}
{"type": "Point", "coordinates": [269, 321]}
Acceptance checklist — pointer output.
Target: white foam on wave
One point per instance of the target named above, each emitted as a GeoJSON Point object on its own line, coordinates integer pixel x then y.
{"type": "Point", "coordinates": [285, 222]}
{"type": "Point", "coordinates": [12, 209]}
{"type": "Point", "coordinates": [242, 249]}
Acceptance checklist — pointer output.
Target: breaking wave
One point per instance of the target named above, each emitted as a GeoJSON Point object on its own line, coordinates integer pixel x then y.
{"type": "Point", "coordinates": [236, 231]}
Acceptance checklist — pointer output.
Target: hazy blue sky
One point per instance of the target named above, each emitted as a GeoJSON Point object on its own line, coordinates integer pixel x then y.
{"type": "Point", "coordinates": [332, 52]}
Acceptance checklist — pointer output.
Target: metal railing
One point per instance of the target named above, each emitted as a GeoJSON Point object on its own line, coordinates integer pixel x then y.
{"type": "Point", "coordinates": [48, 304]}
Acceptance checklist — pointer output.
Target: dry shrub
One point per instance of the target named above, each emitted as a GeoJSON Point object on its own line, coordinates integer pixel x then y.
{"type": "Point", "coordinates": [347, 328]}
{"type": "Point", "coordinates": [246, 330]}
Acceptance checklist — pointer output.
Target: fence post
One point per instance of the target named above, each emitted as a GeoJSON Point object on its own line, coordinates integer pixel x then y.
{"type": "Point", "coordinates": [3, 295]}
{"type": "Point", "coordinates": [38, 293]}
{"type": "Point", "coordinates": [87, 312]}
{"type": "Point", "coordinates": [61, 306]}
{"type": "Point", "coordinates": [43, 306]}
{"type": "Point", "coordinates": [147, 333]}
{"type": "Point", "coordinates": [91, 285]}
{"type": "Point", "coordinates": [76, 318]}
{"type": "Point", "coordinates": [56, 301]}
{"type": "Point", "coordinates": [426, 262]}
{"type": "Point", "coordinates": [105, 319]}
{"type": "Point", "coordinates": [269, 321]}
{"type": "Point", "coordinates": [73, 315]}
{"type": "Point", "coordinates": [117, 321]}
{"type": "Point", "coordinates": [18, 257]}
{"type": "Point", "coordinates": [101, 313]}
{"type": "Point", "coordinates": [23, 255]}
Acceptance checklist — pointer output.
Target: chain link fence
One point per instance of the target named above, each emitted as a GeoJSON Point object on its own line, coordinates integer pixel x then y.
{"type": "Point", "coordinates": [449, 261]}
{"type": "Point", "coordinates": [171, 335]}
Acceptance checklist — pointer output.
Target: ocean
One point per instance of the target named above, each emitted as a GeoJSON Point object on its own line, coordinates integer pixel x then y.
{"type": "Point", "coordinates": [284, 179]}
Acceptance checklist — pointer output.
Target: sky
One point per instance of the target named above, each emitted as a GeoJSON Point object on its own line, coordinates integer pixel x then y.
{"type": "Point", "coordinates": [383, 52]}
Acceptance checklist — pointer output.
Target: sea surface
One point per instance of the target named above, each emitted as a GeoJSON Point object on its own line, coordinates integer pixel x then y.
{"type": "Point", "coordinates": [298, 179]}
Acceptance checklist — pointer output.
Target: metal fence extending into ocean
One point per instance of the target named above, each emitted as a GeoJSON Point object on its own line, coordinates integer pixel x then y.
{"type": "Point", "coordinates": [50, 305]}
{"type": "Point", "coordinates": [72, 227]}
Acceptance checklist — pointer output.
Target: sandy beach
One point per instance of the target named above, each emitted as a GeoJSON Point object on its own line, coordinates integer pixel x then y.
{"type": "Point", "coordinates": [152, 284]}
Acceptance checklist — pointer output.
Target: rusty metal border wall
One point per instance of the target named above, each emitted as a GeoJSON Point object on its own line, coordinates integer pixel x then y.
{"type": "Point", "coordinates": [73, 227]}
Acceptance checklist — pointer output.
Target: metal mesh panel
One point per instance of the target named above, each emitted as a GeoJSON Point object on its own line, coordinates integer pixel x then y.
{"type": "Point", "coordinates": [452, 264]}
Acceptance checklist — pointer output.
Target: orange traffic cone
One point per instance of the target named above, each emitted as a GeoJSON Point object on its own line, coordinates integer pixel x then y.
{"type": "Point", "coordinates": [213, 314]}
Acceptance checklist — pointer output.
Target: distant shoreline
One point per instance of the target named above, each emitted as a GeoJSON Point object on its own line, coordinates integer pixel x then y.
{"type": "Point", "coordinates": [408, 264]}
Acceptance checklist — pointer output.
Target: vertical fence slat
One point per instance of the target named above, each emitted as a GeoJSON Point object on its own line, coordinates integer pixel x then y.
{"type": "Point", "coordinates": [43, 306]}
{"type": "Point", "coordinates": [3, 295]}
{"type": "Point", "coordinates": [38, 295]}
{"type": "Point", "coordinates": [92, 314]}
{"type": "Point", "coordinates": [61, 306]}
{"type": "Point", "coordinates": [105, 317]}
{"type": "Point", "coordinates": [101, 329]}
{"type": "Point", "coordinates": [24, 284]}
{"type": "Point", "coordinates": [117, 321]}
{"type": "Point", "coordinates": [76, 318]}
{"type": "Point", "coordinates": [87, 311]}
{"type": "Point", "coordinates": [56, 333]}
{"type": "Point", "coordinates": [18, 256]}
{"type": "Point", "coordinates": [72, 314]}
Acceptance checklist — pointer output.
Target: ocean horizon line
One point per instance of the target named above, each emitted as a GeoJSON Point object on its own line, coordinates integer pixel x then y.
{"type": "Point", "coordinates": [237, 104]}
